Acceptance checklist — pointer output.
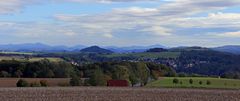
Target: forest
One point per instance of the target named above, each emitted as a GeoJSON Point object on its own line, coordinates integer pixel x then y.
{"type": "Point", "coordinates": [96, 74]}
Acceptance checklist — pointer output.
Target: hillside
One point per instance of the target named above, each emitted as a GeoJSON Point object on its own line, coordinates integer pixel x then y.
{"type": "Point", "coordinates": [95, 49]}
{"type": "Point", "coordinates": [38, 47]}
{"type": "Point", "coordinates": [157, 50]}
{"type": "Point", "coordinates": [183, 82]}
{"type": "Point", "coordinates": [235, 49]}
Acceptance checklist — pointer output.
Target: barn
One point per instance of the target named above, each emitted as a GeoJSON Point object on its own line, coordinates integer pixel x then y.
{"type": "Point", "coordinates": [117, 83]}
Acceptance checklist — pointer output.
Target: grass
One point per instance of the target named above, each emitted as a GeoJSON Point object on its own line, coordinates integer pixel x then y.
{"type": "Point", "coordinates": [215, 83]}
{"type": "Point", "coordinates": [147, 55]}
{"type": "Point", "coordinates": [18, 53]}
{"type": "Point", "coordinates": [49, 58]}
{"type": "Point", "coordinates": [34, 59]}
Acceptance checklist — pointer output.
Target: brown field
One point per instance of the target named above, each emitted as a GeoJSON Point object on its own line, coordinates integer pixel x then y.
{"type": "Point", "coordinates": [52, 82]}
{"type": "Point", "coordinates": [116, 94]}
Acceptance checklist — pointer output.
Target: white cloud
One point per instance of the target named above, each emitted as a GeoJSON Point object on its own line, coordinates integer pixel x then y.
{"type": "Point", "coordinates": [108, 35]}
{"type": "Point", "coordinates": [213, 20]}
{"type": "Point", "coordinates": [153, 22]}
{"type": "Point", "coordinates": [158, 31]}
{"type": "Point", "coordinates": [11, 6]}
{"type": "Point", "coordinates": [230, 34]}
{"type": "Point", "coordinates": [136, 10]}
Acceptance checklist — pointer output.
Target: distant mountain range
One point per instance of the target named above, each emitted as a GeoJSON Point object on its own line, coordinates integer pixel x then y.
{"type": "Point", "coordinates": [235, 49]}
{"type": "Point", "coordinates": [39, 47]}
{"type": "Point", "coordinates": [130, 49]}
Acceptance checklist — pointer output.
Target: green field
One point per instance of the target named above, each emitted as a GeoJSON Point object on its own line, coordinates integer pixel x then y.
{"type": "Point", "coordinates": [18, 53]}
{"type": "Point", "coordinates": [167, 82]}
{"type": "Point", "coordinates": [21, 58]}
{"type": "Point", "coordinates": [147, 55]}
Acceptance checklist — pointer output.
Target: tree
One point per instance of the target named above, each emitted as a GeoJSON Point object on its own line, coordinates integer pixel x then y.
{"type": "Point", "coordinates": [35, 84]}
{"type": "Point", "coordinates": [18, 73]}
{"type": "Point", "coordinates": [190, 81]}
{"type": "Point", "coordinates": [208, 82]}
{"type": "Point", "coordinates": [49, 74]}
{"type": "Point", "coordinates": [175, 81]}
{"type": "Point", "coordinates": [121, 73]}
{"type": "Point", "coordinates": [133, 79]}
{"type": "Point", "coordinates": [4, 74]}
{"type": "Point", "coordinates": [200, 82]}
{"type": "Point", "coordinates": [97, 78]}
{"type": "Point", "coordinates": [75, 81]}
{"type": "Point", "coordinates": [143, 73]}
{"type": "Point", "coordinates": [43, 83]}
{"type": "Point", "coordinates": [22, 83]}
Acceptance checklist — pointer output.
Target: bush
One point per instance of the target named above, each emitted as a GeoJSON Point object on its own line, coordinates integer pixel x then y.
{"type": "Point", "coordinates": [181, 82]}
{"type": "Point", "coordinates": [43, 83]}
{"type": "Point", "coordinates": [75, 81]}
{"type": "Point", "coordinates": [191, 81]}
{"type": "Point", "coordinates": [86, 82]}
{"type": "Point", "coordinates": [208, 82]}
{"type": "Point", "coordinates": [4, 74]}
{"type": "Point", "coordinates": [175, 81]}
{"type": "Point", "coordinates": [22, 83]}
{"type": "Point", "coordinates": [35, 84]}
{"type": "Point", "coordinates": [200, 82]}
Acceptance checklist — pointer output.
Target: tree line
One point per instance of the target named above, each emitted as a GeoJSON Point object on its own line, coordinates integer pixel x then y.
{"type": "Point", "coordinates": [96, 74]}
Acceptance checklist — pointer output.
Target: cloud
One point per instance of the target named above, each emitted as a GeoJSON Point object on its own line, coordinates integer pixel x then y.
{"type": "Point", "coordinates": [108, 35]}
{"type": "Point", "coordinates": [153, 21]}
{"type": "Point", "coordinates": [159, 23]}
{"type": "Point", "coordinates": [158, 31]}
{"type": "Point", "coordinates": [230, 34]}
{"type": "Point", "coordinates": [107, 1]}
{"type": "Point", "coordinates": [13, 6]}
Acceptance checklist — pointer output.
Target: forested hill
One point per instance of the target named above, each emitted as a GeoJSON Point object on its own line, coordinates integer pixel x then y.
{"type": "Point", "coordinates": [190, 60]}
{"type": "Point", "coordinates": [209, 63]}
{"type": "Point", "coordinates": [95, 49]}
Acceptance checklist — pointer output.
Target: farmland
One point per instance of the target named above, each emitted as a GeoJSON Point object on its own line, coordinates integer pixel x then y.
{"type": "Point", "coordinates": [17, 53]}
{"type": "Point", "coordinates": [116, 94]}
{"type": "Point", "coordinates": [33, 59]}
{"type": "Point", "coordinates": [184, 83]}
{"type": "Point", "coordinates": [147, 55]}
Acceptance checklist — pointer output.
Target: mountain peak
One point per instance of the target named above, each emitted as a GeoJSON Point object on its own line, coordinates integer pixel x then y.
{"type": "Point", "coordinates": [95, 49]}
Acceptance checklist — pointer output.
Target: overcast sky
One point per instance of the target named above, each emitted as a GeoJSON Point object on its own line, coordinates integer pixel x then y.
{"type": "Point", "coordinates": [121, 22]}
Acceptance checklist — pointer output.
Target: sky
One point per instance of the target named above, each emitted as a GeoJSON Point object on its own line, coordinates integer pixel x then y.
{"type": "Point", "coordinates": [170, 23]}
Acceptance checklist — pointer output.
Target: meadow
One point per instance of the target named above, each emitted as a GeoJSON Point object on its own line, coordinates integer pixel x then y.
{"type": "Point", "coordinates": [183, 82]}
{"type": "Point", "coordinates": [147, 55]}
{"type": "Point", "coordinates": [17, 53]}
{"type": "Point", "coordinates": [32, 59]}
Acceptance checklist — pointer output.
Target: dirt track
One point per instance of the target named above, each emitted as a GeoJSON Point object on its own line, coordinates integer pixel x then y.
{"type": "Point", "coordinates": [116, 94]}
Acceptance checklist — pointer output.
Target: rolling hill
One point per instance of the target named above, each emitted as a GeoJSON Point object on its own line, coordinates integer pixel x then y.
{"type": "Point", "coordinates": [235, 49]}
{"type": "Point", "coordinates": [96, 49]}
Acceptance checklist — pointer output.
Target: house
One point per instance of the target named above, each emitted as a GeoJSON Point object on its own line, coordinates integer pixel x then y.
{"type": "Point", "coordinates": [117, 83]}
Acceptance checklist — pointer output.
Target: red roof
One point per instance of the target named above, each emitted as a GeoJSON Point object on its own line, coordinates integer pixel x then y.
{"type": "Point", "coordinates": [117, 83]}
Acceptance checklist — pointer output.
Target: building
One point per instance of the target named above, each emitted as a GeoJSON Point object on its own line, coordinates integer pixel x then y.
{"type": "Point", "coordinates": [117, 83]}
